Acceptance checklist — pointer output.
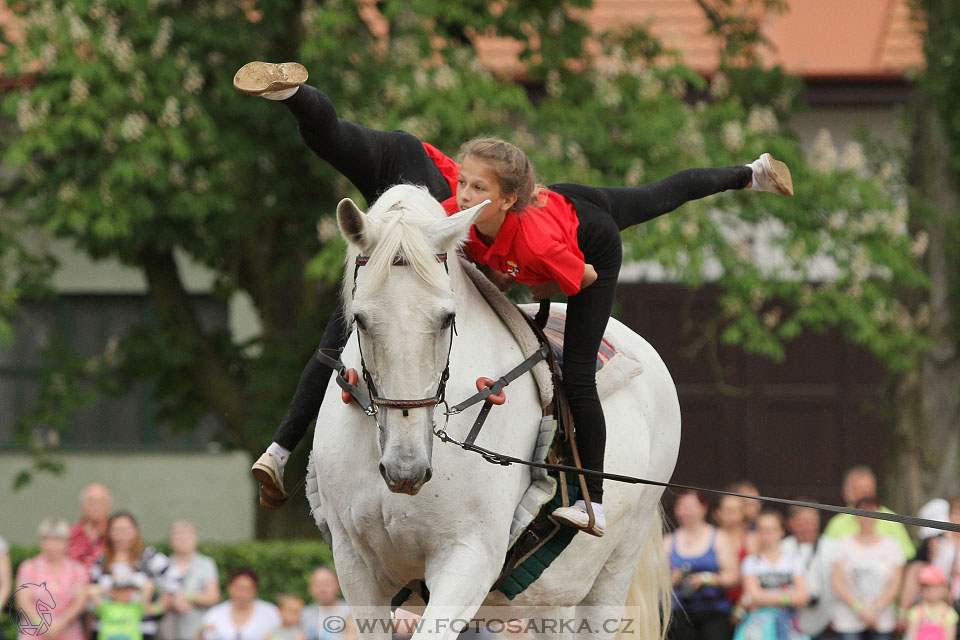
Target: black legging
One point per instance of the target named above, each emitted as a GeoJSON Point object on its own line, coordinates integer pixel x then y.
{"type": "Point", "coordinates": [376, 160]}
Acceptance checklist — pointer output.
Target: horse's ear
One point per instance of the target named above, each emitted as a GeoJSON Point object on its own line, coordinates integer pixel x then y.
{"type": "Point", "coordinates": [455, 228]}
{"type": "Point", "coordinates": [354, 224]}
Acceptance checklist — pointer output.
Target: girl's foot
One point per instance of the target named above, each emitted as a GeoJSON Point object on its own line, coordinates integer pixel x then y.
{"type": "Point", "coordinates": [268, 471]}
{"type": "Point", "coordinates": [771, 175]}
{"type": "Point", "coordinates": [576, 516]}
{"type": "Point", "coordinates": [276, 81]}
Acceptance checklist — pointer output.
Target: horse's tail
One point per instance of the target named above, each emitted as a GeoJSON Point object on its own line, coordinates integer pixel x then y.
{"type": "Point", "coordinates": [650, 598]}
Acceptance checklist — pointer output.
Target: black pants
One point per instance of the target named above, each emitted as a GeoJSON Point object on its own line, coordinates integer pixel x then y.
{"type": "Point", "coordinates": [707, 625]}
{"type": "Point", "coordinates": [375, 160]}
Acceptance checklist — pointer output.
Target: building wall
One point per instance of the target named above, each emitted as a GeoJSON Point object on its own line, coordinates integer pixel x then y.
{"type": "Point", "coordinates": [216, 491]}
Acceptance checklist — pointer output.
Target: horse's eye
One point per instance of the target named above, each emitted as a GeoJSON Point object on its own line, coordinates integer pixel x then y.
{"type": "Point", "coordinates": [448, 321]}
{"type": "Point", "coordinates": [358, 320]}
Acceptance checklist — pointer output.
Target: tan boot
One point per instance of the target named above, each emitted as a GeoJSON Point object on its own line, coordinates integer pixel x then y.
{"type": "Point", "coordinates": [771, 175]}
{"type": "Point", "coordinates": [259, 78]}
{"type": "Point", "coordinates": [269, 473]}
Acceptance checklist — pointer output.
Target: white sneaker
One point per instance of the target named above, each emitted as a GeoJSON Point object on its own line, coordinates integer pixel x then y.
{"type": "Point", "coordinates": [269, 79]}
{"type": "Point", "coordinates": [269, 473]}
{"type": "Point", "coordinates": [576, 516]}
{"type": "Point", "coordinates": [771, 175]}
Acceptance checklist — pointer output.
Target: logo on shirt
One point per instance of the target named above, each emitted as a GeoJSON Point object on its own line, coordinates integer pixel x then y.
{"type": "Point", "coordinates": [37, 623]}
{"type": "Point", "coordinates": [512, 269]}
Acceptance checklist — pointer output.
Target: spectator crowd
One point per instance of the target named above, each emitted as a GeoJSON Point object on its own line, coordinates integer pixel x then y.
{"type": "Point", "coordinates": [738, 572]}
{"type": "Point", "coordinates": [749, 574]}
{"type": "Point", "coordinates": [98, 579]}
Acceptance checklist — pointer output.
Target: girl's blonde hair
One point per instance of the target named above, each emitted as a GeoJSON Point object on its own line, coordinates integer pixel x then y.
{"type": "Point", "coordinates": [514, 171]}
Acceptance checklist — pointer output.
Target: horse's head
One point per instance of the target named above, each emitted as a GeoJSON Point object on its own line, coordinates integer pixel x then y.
{"type": "Point", "coordinates": [402, 305]}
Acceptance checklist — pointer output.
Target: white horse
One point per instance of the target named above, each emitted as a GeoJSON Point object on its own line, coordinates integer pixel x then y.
{"type": "Point", "coordinates": [401, 506]}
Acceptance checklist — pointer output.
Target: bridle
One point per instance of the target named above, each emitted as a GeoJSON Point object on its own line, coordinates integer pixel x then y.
{"type": "Point", "coordinates": [372, 403]}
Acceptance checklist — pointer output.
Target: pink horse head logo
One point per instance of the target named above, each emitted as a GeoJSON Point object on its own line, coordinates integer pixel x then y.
{"type": "Point", "coordinates": [38, 623]}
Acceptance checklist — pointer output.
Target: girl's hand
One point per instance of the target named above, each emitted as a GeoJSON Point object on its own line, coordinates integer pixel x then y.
{"type": "Point", "coordinates": [501, 280]}
{"type": "Point", "coordinates": [545, 290]}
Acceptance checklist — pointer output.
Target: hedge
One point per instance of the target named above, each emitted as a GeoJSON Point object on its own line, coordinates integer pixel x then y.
{"type": "Point", "coordinates": [283, 566]}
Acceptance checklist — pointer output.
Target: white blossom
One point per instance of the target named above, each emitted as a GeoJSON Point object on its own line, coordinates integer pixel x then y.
{"type": "Point", "coordinates": [327, 229]}
{"type": "Point", "coordinates": [79, 32]}
{"type": "Point", "coordinates": [133, 126]}
{"type": "Point", "coordinates": [732, 136]}
{"type": "Point", "coordinates": [554, 84]}
{"type": "Point", "coordinates": [79, 90]}
{"type": "Point", "coordinates": [719, 86]}
{"type": "Point", "coordinates": [762, 120]}
{"type": "Point", "coordinates": [824, 154]}
{"type": "Point", "coordinates": [162, 40]}
{"type": "Point", "coordinates": [67, 191]}
{"type": "Point", "coordinates": [919, 245]}
{"type": "Point", "coordinates": [176, 174]}
{"type": "Point", "coordinates": [193, 80]}
{"type": "Point", "coordinates": [635, 173]}
{"type": "Point", "coordinates": [170, 117]}
{"type": "Point", "coordinates": [853, 157]}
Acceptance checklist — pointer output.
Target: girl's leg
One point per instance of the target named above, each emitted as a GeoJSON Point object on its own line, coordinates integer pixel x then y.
{"type": "Point", "coordinates": [268, 469]}
{"type": "Point", "coordinates": [634, 205]}
{"type": "Point", "coordinates": [587, 314]}
{"type": "Point", "coordinates": [372, 160]}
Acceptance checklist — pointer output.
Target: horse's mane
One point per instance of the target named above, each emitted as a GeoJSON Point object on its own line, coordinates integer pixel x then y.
{"type": "Point", "coordinates": [402, 210]}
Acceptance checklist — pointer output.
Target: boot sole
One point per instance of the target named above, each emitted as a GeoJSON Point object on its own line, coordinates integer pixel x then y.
{"type": "Point", "coordinates": [268, 483]}
{"type": "Point", "coordinates": [780, 173]}
{"type": "Point", "coordinates": [257, 78]}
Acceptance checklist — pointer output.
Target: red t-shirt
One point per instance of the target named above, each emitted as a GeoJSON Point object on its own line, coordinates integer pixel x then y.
{"type": "Point", "coordinates": [535, 246]}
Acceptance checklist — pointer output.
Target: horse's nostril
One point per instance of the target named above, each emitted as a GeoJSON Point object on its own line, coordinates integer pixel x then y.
{"type": "Point", "coordinates": [383, 471]}
{"type": "Point", "coordinates": [427, 475]}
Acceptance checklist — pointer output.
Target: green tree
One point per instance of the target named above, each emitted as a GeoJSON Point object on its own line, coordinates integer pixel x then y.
{"type": "Point", "coordinates": [134, 145]}
{"type": "Point", "coordinates": [927, 396]}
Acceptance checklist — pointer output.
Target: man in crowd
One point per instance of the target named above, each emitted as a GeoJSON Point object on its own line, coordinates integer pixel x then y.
{"type": "Point", "coordinates": [859, 483]}
{"type": "Point", "coordinates": [88, 534]}
{"type": "Point", "coordinates": [817, 554]}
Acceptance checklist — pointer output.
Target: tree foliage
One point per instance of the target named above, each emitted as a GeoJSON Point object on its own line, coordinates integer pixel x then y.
{"type": "Point", "coordinates": [134, 145]}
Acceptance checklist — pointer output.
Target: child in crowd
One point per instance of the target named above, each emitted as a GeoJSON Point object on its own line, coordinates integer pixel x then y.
{"type": "Point", "coordinates": [932, 618]}
{"type": "Point", "coordinates": [291, 607]}
{"type": "Point", "coordinates": [120, 615]}
{"type": "Point", "coordinates": [773, 585]}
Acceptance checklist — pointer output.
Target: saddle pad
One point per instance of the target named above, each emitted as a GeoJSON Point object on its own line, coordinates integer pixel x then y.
{"type": "Point", "coordinates": [556, 325]}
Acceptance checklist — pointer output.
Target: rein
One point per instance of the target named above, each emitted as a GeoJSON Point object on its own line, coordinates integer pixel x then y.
{"type": "Point", "coordinates": [370, 401]}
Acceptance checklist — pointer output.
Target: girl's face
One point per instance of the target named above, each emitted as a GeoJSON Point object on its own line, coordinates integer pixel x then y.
{"type": "Point", "coordinates": [478, 182]}
{"type": "Point", "coordinates": [730, 513]}
{"type": "Point", "coordinates": [688, 510]}
{"type": "Point", "coordinates": [931, 593]}
{"type": "Point", "coordinates": [243, 590]}
{"type": "Point", "coordinates": [53, 547]}
{"type": "Point", "coordinates": [769, 531]}
{"type": "Point", "coordinates": [123, 533]}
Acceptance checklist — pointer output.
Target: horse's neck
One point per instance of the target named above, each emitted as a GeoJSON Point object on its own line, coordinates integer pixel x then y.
{"type": "Point", "coordinates": [476, 319]}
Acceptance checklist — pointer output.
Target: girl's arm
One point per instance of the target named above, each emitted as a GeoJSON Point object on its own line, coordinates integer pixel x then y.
{"type": "Point", "coordinates": [6, 578]}
{"type": "Point", "coordinates": [886, 598]}
{"type": "Point", "coordinates": [841, 588]}
{"type": "Point", "coordinates": [911, 633]}
{"type": "Point", "coordinates": [729, 574]}
{"type": "Point", "coordinates": [209, 596]}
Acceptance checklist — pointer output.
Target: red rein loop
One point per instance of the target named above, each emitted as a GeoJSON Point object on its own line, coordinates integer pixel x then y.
{"type": "Point", "coordinates": [485, 383]}
{"type": "Point", "coordinates": [353, 378]}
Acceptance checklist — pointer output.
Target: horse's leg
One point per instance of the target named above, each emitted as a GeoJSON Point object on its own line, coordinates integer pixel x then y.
{"type": "Point", "coordinates": [600, 615]}
{"type": "Point", "coordinates": [553, 624]}
{"type": "Point", "coordinates": [369, 602]}
{"type": "Point", "coordinates": [459, 582]}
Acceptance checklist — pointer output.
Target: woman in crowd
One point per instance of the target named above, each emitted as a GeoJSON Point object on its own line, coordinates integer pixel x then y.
{"type": "Point", "coordinates": [703, 564]}
{"type": "Point", "coordinates": [242, 616]}
{"type": "Point", "coordinates": [127, 562]}
{"type": "Point", "coordinates": [65, 579]}
{"type": "Point", "coordinates": [773, 585]}
{"type": "Point", "coordinates": [866, 579]}
{"type": "Point", "coordinates": [731, 517]}
{"type": "Point", "coordinates": [191, 585]}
